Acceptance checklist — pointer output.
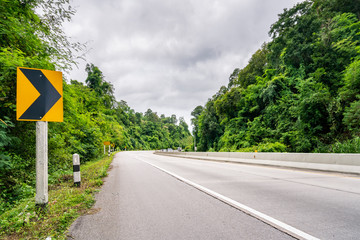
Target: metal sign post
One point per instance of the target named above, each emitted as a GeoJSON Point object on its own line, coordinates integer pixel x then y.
{"type": "Point", "coordinates": [41, 198]}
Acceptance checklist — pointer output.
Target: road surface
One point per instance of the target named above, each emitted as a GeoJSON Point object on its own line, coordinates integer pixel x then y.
{"type": "Point", "coordinates": [148, 196]}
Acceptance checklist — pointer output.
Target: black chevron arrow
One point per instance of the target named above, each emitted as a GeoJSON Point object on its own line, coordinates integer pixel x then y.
{"type": "Point", "coordinates": [48, 95]}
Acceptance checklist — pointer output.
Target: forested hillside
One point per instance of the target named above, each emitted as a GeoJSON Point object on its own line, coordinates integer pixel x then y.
{"type": "Point", "coordinates": [91, 112]}
{"type": "Point", "coordinates": [299, 93]}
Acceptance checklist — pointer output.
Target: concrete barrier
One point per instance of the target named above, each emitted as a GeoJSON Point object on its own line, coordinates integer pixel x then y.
{"type": "Point", "coordinates": [345, 163]}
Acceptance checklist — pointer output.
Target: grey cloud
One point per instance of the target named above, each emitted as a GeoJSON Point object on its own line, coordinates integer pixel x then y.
{"type": "Point", "coordinates": [171, 56]}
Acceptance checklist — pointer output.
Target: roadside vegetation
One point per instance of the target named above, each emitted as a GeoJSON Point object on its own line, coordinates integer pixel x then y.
{"type": "Point", "coordinates": [300, 92]}
{"type": "Point", "coordinates": [66, 203]}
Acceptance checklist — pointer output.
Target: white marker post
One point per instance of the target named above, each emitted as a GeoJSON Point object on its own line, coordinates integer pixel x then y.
{"type": "Point", "coordinates": [76, 170]}
{"type": "Point", "coordinates": [195, 143]}
{"type": "Point", "coordinates": [41, 198]}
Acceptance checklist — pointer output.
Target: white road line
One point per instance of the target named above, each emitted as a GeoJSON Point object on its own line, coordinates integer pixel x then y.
{"type": "Point", "coordinates": [294, 232]}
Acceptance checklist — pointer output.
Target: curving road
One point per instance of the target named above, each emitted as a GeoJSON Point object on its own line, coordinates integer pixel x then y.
{"type": "Point", "coordinates": [148, 196]}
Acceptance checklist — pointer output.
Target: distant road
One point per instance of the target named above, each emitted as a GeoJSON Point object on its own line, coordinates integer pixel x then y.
{"type": "Point", "coordinates": [141, 199]}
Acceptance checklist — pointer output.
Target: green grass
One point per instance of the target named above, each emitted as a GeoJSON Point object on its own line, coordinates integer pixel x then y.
{"type": "Point", "coordinates": [66, 203]}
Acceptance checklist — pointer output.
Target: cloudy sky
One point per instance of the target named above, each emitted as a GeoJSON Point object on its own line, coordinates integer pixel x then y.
{"type": "Point", "coordinates": [170, 55]}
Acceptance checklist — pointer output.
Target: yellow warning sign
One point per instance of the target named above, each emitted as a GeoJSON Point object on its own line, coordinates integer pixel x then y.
{"type": "Point", "coordinates": [39, 95]}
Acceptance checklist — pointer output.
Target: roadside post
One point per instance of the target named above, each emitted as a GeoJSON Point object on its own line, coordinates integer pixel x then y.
{"type": "Point", "coordinates": [41, 197]}
{"type": "Point", "coordinates": [39, 98]}
{"type": "Point", "coordinates": [76, 169]}
{"type": "Point", "coordinates": [195, 148]}
{"type": "Point", "coordinates": [107, 143]}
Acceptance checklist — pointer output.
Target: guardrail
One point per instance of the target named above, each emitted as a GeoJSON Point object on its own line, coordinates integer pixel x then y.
{"type": "Point", "coordinates": [345, 163]}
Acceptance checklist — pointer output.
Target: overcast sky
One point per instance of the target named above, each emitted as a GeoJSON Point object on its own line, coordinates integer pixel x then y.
{"type": "Point", "coordinates": [170, 55]}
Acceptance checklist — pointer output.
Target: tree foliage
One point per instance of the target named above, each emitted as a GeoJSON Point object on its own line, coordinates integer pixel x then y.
{"type": "Point", "coordinates": [300, 92]}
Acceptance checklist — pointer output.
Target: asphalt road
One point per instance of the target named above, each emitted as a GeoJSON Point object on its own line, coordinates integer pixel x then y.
{"type": "Point", "coordinates": [142, 200]}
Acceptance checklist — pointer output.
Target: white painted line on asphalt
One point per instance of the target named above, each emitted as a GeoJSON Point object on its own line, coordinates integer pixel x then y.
{"type": "Point", "coordinates": [294, 232]}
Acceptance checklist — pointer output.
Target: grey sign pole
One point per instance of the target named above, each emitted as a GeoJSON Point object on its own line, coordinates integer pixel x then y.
{"type": "Point", "coordinates": [41, 198]}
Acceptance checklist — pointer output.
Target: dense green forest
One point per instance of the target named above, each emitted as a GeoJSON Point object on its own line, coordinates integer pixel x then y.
{"type": "Point", "coordinates": [300, 92]}
{"type": "Point", "coordinates": [91, 112]}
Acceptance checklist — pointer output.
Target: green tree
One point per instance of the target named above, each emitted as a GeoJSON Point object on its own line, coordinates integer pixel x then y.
{"type": "Point", "coordinates": [95, 80]}
{"type": "Point", "coordinates": [209, 128]}
{"type": "Point", "coordinates": [292, 36]}
{"type": "Point", "coordinates": [256, 67]}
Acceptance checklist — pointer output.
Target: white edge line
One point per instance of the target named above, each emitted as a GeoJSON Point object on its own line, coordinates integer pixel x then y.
{"type": "Point", "coordinates": [261, 216]}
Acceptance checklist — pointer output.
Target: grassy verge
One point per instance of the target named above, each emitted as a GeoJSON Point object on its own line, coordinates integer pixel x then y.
{"type": "Point", "coordinates": [66, 203]}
